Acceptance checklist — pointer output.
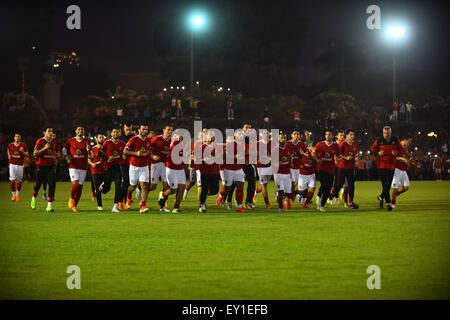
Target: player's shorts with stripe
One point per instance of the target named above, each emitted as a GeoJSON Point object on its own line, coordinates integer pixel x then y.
{"type": "Point", "coordinates": [283, 182]}
{"type": "Point", "coordinates": [400, 179]}
{"type": "Point", "coordinates": [77, 174]}
{"type": "Point", "coordinates": [158, 172]}
{"type": "Point", "coordinates": [295, 175]}
{"type": "Point", "coordinates": [233, 176]}
{"type": "Point", "coordinates": [15, 172]}
{"type": "Point", "coordinates": [306, 181]}
{"type": "Point", "coordinates": [138, 174]}
{"type": "Point", "coordinates": [264, 174]}
{"type": "Point", "coordinates": [198, 176]}
{"type": "Point", "coordinates": [175, 177]}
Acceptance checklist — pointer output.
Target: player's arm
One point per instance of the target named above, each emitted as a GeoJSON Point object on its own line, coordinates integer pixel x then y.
{"type": "Point", "coordinates": [314, 154]}
{"type": "Point", "coordinates": [66, 152]}
{"type": "Point", "coordinates": [376, 149]}
{"type": "Point", "coordinates": [9, 155]}
{"type": "Point", "coordinates": [38, 152]}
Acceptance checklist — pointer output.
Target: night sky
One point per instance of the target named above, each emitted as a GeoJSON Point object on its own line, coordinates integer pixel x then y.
{"type": "Point", "coordinates": [115, 30]}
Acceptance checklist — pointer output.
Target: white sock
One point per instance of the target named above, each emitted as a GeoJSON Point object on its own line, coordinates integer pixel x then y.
{"type": "Point", "coordinates": [13, 193]}
{"type": "Point", "coordinates": [203, 207]}
{"type": "Point", "coordinates": [17, 192]}
{"type": "Point", "coordinates": [115, 206]}
{"type": "Point", "coordinates": [185, 193]}
{"type": "Point", "coordinates": [34, 198]}
{"type": "Point", "coordinates": [49, 204]}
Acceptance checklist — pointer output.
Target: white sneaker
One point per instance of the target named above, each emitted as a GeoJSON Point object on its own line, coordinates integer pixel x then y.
{"type": "Point", "coordinates": [100, 208]}
{"type": "Point", "coordinates": [164, 209]}
{"type": "Point", "coordinates": [335, 201]}
{"type": "Point", "coordinates": [185, 194]}
{"type": "Point", "coordinates": [138, 194]}
{"type": "Point", "coordinates": [115, 210]}
{"type": "Point", "coordinates": [322, 209]}
{"type": "Point", "coordinates": [393, 205]}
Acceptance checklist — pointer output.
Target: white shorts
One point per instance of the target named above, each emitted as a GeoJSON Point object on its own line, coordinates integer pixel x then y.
{"type": "Point", "coordinates": [400, 179]}
{"type": "Point", "coordinates": [158, 172]}
{"type": "Point", "coordinates": [283, 182]}
{"type": "Point", "coordinates": [306, 181]}
{"type": "Point", "coordinates": [138, 174]}
{"type": "Point", "coordinates": [264, 174]}
{"type": "Point", "coordinates": [233, 176]}
{"type": "Point", "coordinates": [199, 177]}
{"type": "Point", "coordinates": [175, 177]}
{"type": "Point", "coordinates": [294, 175]}
{"type": "Point", "coordinates": [222, 176]}
{"type": "Point", "coordinates": [15, 172]}
{"type": "Point", "coordinates": [437, 170]}
{"type": "Point", "coordinates": [77, 174]}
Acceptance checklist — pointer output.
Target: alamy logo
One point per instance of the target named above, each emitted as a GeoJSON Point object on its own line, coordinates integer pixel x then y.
{"type": "Point", "coordinates": [74, 281]}
{"type": "Point", "coordinates": [374, 281]}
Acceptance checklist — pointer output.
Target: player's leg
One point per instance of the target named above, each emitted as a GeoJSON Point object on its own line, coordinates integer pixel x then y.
{"type": "Point", "coordinates": [230, 193]}
{"type": "Point", "coordinates": [204, 192]}
{"type": "Point", "coordinates": [98, 179]}
{"type": "Point", "coordinates": [82, 178]}
{"type": "Point", "coordinates": [133, 181]}
{"type": "Point", "coordinates": [280, 193]}
{"type": "Point", "coordinates": [239, 195]}
{"type": "Point", "coordinates": [311, 185]}
{"type": "Point", "coordinates": [350, 178]}
{"type": "Point", "coordinates": [250, 177]}
{"type": "Point", "coordinates": [117, 177]}
{"type": "Point", "coordinates": [321, 189]}
{"type": "Point", "coordinates": [328, 180]}
{"type": "Point", "coordinates": [93, 188]}
{"type": "Point", "coordinates": [287, 189]}
{"type": "Point", "coordinates": [73, 174]}
{"type": "Point", "coordinates": [51, 180]}
{"type": "Point", "coordinates": [105, 186]}
{"type": "Point", "coordinates": [144, 179]}
{"type": "Point", "coordinates": [12, 181]}
{"type": "Point", "coordinates": [124, 168]}
{"type": "Point", "coordinates": [37, 185]}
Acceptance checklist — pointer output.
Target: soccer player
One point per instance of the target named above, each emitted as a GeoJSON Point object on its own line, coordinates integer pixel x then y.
{"type": "Point", "coordinates": [348, 150]}
{"type": "Point", "coordinates": [160, 146]}
{"type": "Point", "coordinates": [76, 150]}
{"type": "Point", "coordinates": [138, 148]}
{"type": "Point", "coordinates": [125, 167]}
{"type": "Point", "coordinates": [58, 156]}
{"type": "Point", "coordinates": [232, 170]}
{"type": "Point", "coordinates": [386, 149]}
{"type": "Point", "coordinates": [340, 137]}
{"type": "Point", "coordinates": [45, 155]}
{"type": "Point", "coordinates": [223, 195]}
{"type": "Point", "coordinates": [307, 177]}
{"type": "Point", "coordinates": [112, 154]}
{"type": "Point", "coordinates": [17, 151]}
{"type": "Point", "coordinates": [194, 169]}
{"type": "Point", "coordinates": [400, 175]}
{"type": "Point", "coordinates": [298, 148]}
{"type": "Point", "coordinates": [325, 154]}
{"type": "Point", "coordinates": [97, 168]}
{"type": "Point", "coordinates": [282, 171]}
{"type": "Point", "coordinates": [308, 141]}
{"type": "Point", "coordinates": [176, 177]}
{"type": "Point", "coordinates": [209, 173]}
{"type": "Point", "coordinates": [264, 167]}
{"type": "Point", "coordinates": [249, 170]}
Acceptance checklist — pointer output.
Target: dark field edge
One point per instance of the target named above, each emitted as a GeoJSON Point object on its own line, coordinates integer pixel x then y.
{"type": "Point", "coordinates": [246, 309]}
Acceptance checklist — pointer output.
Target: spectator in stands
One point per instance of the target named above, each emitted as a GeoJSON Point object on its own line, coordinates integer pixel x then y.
{"type": "Point", "coordinates": [409, 109]}
{"type": "Point", "coordinates": [402, 112]}
{"type": "Point", "coordinates": [179, 113]}
{"type": "Point", "coordinates": [395, 111]}
{"type": "Point", "coordinates": [230, 111]}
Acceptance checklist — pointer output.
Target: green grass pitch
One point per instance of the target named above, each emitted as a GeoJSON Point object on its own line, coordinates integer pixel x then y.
{"type": "Point", "coordinates": [262, 254]}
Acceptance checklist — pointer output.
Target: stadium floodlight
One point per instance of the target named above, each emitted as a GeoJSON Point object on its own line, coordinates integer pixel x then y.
{"type": "Point", "coordinates": [196, 20]}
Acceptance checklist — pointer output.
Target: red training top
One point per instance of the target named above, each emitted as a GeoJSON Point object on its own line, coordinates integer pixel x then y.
{"type": "Point", "coordinates": [17, 157]}
{"type": "Point", "coordinates": [135, 144]}
{"type": "Point", "coordinates": [78, 153]}
{"type": "Point", "coordinates": [326, 154]}
{"type": "Point", "coordinates": [48, 157]}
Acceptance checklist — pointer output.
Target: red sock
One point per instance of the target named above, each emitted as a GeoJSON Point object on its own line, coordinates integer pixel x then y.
{"type": "Point", "coordinates": [280, 202]}
{"type": "Point", "coordinates": [93, 193]}
{"type": "Point", "coordinates": [351, 200]}
{"type": "Point", "coordinates": [13, 186]}
{"type": "Point", "coordinates": [239, 196]}
{"type": "Point", "coordinates": [223, 191]}
{"type": "Point", "coordinates": [266, 200]}
{"type": "Point", "coordinates": [50, 199]}
{"type": "Point", "coordinates": [129, 197]}
{"type": "Point", "coordinates": [332, 190]}
{"type": "Point", "coordinates": [346, 195]}
{"type": "Point", "coordinates": [310, 195]}
{"type": "Point", "coordinates": [34, 192]}
{"type": "Point", "coordinates": [19, 186]}
{"type": "Point", "coordinates": [74, 191]}
{"type": "Point", "coordinates": [78, 194]}
{"type": "Point", "coordinates": [143, 203]}
{"type": "Point", "coordinates": [176, 206]}
{"type": "Point", "coordinates": [258, 190]}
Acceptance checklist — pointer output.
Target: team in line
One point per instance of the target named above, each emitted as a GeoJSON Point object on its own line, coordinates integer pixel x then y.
{"type": "Point", "coordinates": [139, 162]}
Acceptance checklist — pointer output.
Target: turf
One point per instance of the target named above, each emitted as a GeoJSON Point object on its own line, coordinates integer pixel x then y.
{"type": "Point", "coordinates": [262, 254]}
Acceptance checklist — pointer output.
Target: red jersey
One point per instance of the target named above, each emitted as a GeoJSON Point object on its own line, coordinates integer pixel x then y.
{"type": "Point", "coordinates": [296, 155]}
{"type": "Point", "coordinates": [231, 150]}
{"type": "Point", "coordinates": [387, 160]}
{"type": "Point", "coordinates": [16, 157]}
{"type": "Point", "coordinates": [114, 150]}
{"type": "Point", "coordinates": [208, 149]}
{"type": "Point", "coordinates": [326, 154]}
{"type": "Point", "coordinates": [160, 147]}
{"type": "Point", "coordinates": [135, 144]}
{"type": "Point", "coordinates": [307, 164]}
{"type": "Point", "coordinates": [284, 159]}
{"type": "Point", "coordinates": [346, 149]}
{"type": "Point", "coordinates": [48, 157]}
{"type": "Point", "coordinates": [169, 162]}
{"type": "Point", "coordinates": [76, 149]}
{"type": "Point", "coordinates": [402, 152]}
{"type": "Point", "coordinates": [95, 158]}
{"type": "Point", "coordinates": [264, 153]}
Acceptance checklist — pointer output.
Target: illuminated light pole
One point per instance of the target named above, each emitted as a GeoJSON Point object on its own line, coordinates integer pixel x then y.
{"type": "Point", "coordinates": [196, 21]}
{"type": "Point", "coordinates": [397, 34]}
